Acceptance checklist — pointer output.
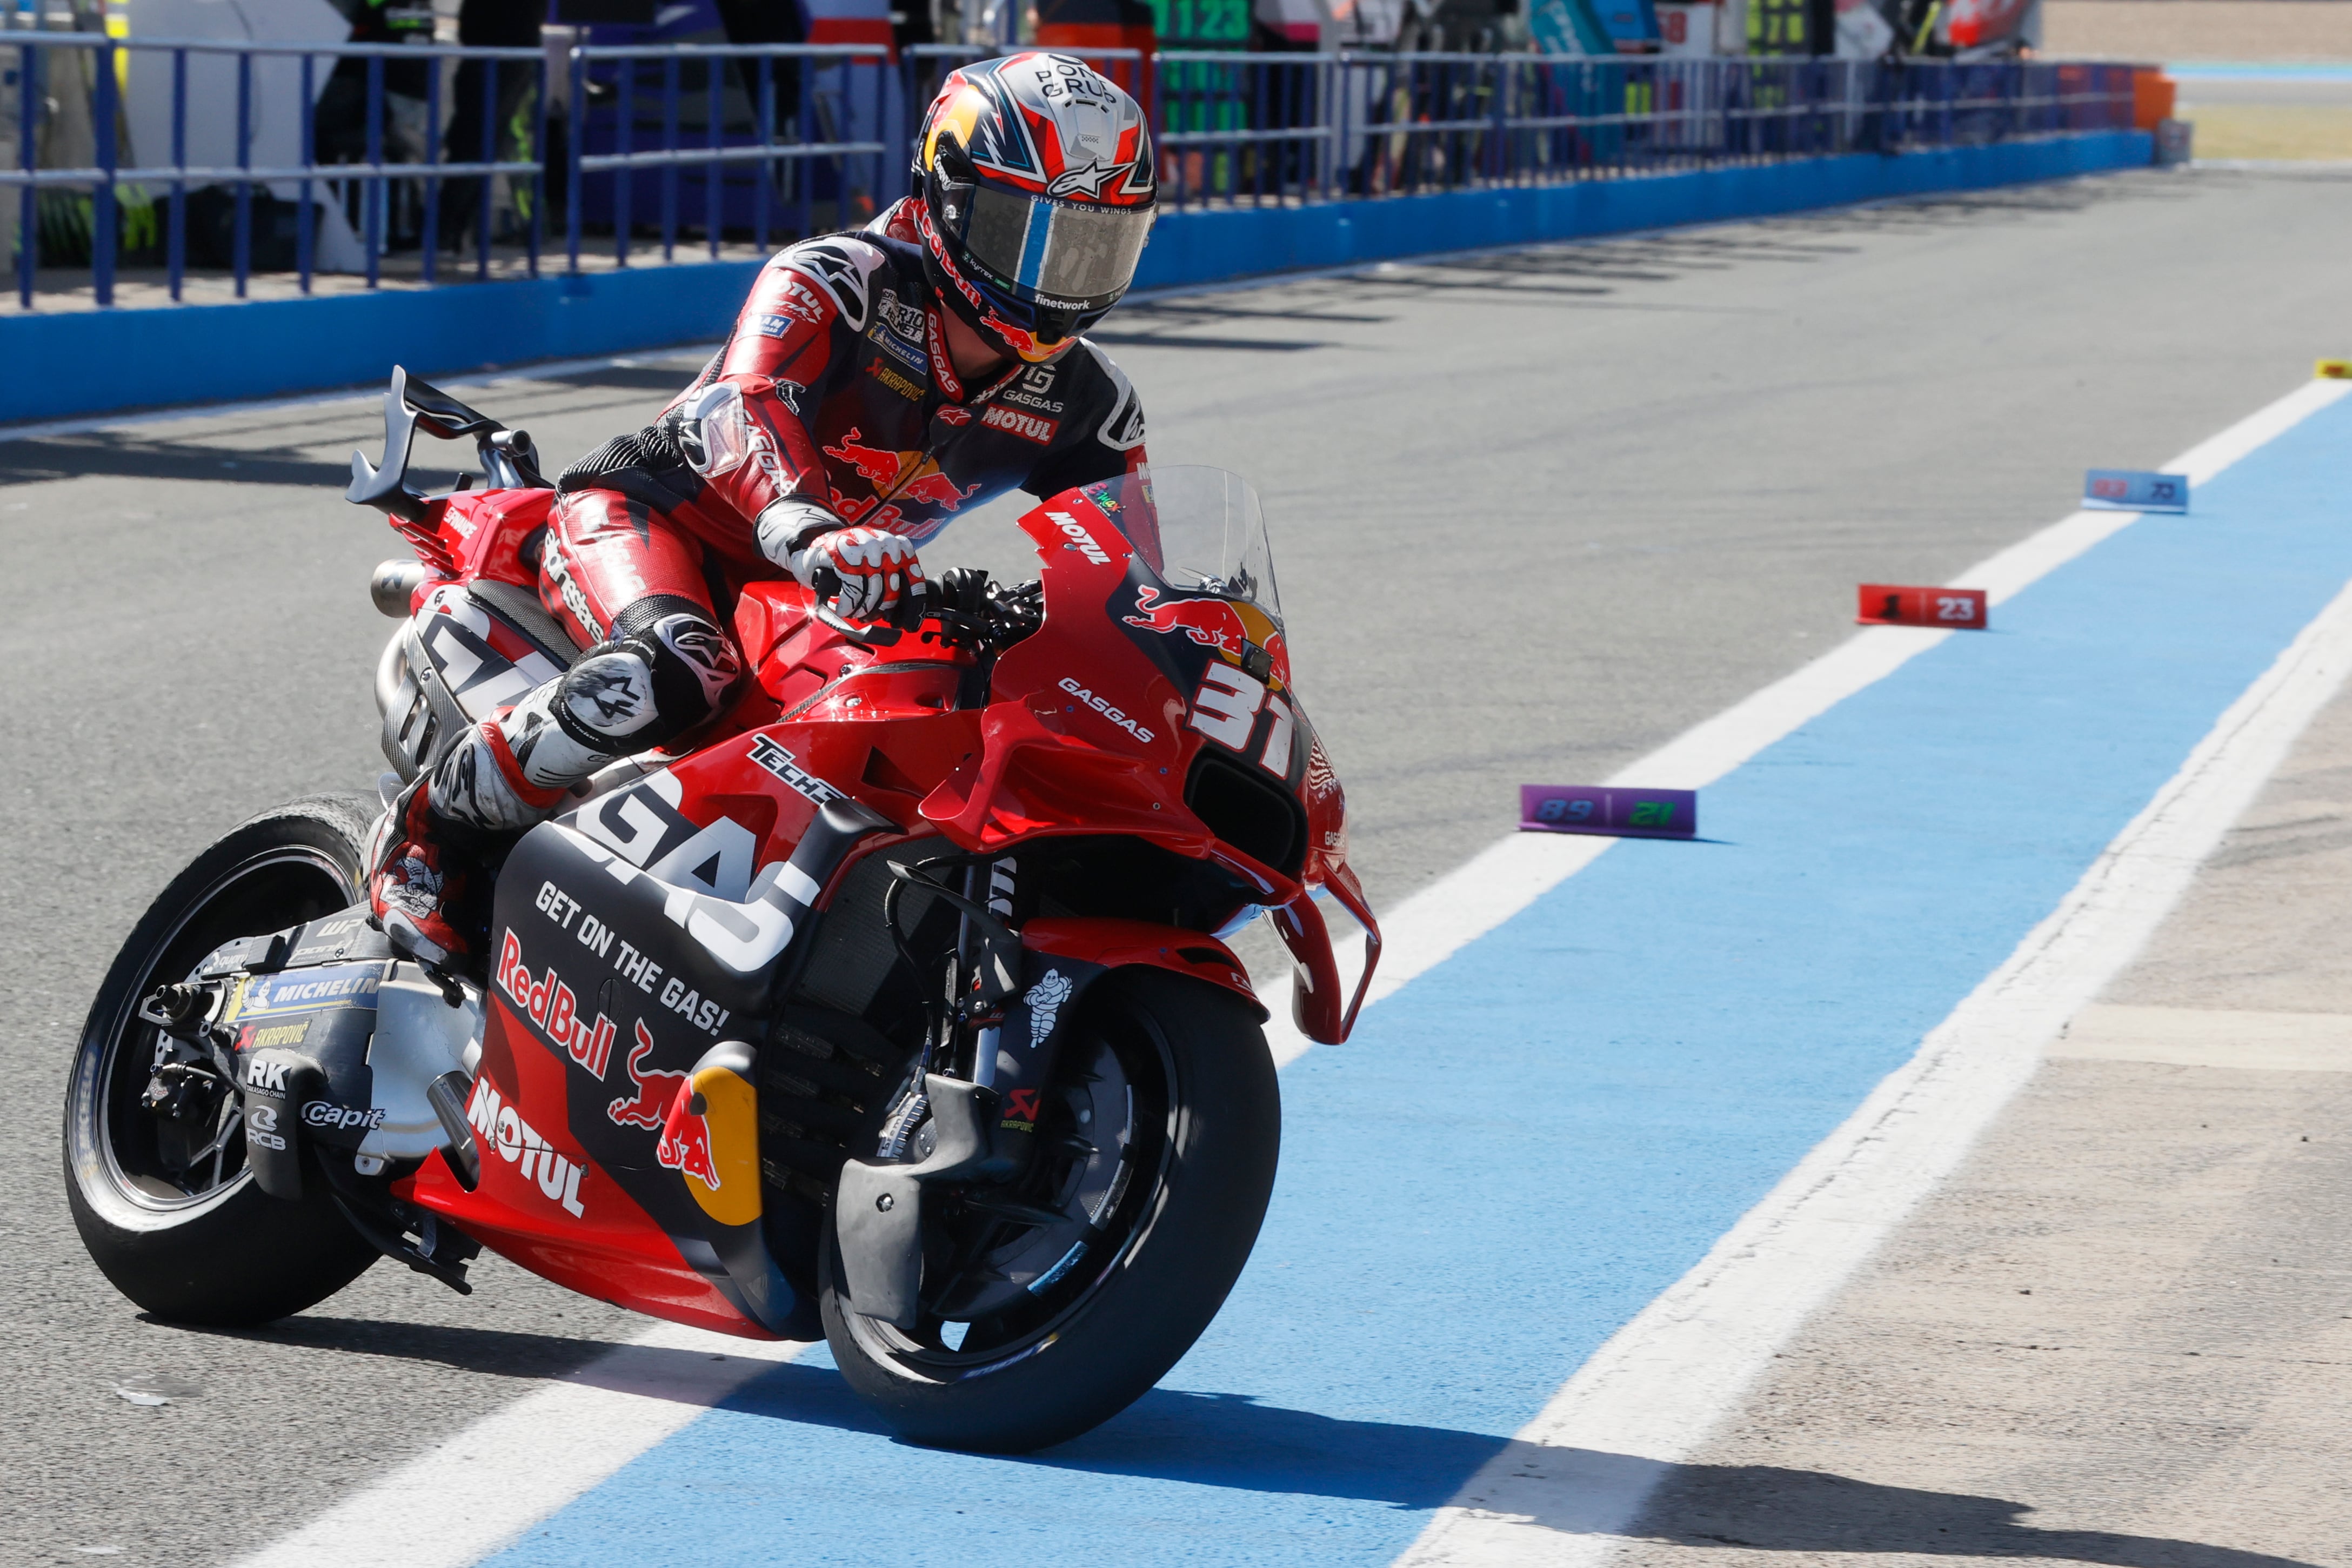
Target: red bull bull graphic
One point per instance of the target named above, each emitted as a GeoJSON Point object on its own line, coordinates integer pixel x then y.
{"type": "Point", "coordinates": [685, 1144]}
{"type": "Point", "coordinates": [875, 467]}
{"type": "Point", "coordinates": [550, 1004]}
{"type": "Point", "coordinates": [932, 488]}
{"type": "Point", "coordinates": [649, 1108]}
{"type": "Point", "coordinates": [1212, 624]}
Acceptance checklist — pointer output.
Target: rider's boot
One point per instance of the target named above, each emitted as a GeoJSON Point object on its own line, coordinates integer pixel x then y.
{"type": "Point", "coordinates": [428, 884]}
{"type": "Point", "coordinates": [667, 669]}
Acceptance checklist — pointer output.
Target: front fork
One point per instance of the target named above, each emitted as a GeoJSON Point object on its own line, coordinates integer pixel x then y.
{"type": "Point", "coordinates": [968, 1112]}
{"type": "Point", "coordinates": [978, 990]}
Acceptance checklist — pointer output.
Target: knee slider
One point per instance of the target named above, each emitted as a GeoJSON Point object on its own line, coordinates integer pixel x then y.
{"type": "Point", "coordinates": [665, 669]}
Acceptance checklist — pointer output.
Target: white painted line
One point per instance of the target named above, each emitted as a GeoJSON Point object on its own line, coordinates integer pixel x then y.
{"type": "Point", "coordinates": [1512, 872]}
{"type": "Point", "coordinates": [1650, 1396]}
{"type": "Point", "coordinates": [458, 1502]}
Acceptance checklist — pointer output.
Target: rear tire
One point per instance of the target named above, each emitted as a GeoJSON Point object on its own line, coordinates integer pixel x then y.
{"type": "Point", "coordinates": [199, 1241]}
{"type": "Point", "coordinates": [1207, 1136]}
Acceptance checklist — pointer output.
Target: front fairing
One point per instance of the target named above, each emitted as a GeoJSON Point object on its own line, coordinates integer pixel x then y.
{"type": "Point", "coordinates": [1149, 691]}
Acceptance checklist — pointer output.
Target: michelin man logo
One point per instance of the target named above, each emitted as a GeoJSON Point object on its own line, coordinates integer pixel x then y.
{"type": "Point", "coordinates": [1045, 998]}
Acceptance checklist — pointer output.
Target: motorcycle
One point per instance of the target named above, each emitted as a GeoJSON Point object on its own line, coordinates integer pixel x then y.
{"type": "Point", "coordinates": [892, 1007]}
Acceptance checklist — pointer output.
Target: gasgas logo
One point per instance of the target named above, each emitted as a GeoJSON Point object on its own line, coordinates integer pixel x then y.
{"type": "Point", "coordinates": [519, 1144]}
{"type": "Point", "coordinates": [1106, 709]}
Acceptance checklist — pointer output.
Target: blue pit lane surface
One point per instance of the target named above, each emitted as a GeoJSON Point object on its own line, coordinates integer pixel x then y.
{"type": "Point", "coordinates": [1528, 1142]}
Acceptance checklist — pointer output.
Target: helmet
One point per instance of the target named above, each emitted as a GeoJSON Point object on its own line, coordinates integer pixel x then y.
{"type": "Point", "coordinates": [1034, 196]}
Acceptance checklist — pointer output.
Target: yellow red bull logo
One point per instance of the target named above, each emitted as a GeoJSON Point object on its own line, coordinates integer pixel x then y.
{"type": "Point", "coordinates": [711, 1137]}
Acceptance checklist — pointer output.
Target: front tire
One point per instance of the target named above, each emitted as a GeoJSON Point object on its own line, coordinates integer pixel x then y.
{"type": "Point", "coordinates": [1022, 1366]}
{"type": "Point", "coordinates": [170, 1213]}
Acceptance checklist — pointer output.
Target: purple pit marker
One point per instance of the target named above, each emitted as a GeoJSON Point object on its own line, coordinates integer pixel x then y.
{"type": "Point", "coordinates": [1615, 813]}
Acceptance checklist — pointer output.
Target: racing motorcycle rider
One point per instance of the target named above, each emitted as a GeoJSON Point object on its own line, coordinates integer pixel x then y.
{"type": "Point", "coordinates": [875, 382]}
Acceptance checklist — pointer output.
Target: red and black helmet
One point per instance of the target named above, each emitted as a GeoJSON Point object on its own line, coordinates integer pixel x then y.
{"type": "Point", "coordinates": [1035, 194]}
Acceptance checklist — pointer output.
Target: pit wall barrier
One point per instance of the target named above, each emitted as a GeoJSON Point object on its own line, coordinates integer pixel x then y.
{"type": "Point", "coordinates": [55, 366]}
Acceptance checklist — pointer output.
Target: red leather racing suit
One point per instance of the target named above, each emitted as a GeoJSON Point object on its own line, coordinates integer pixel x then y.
{"type": "Point", "coordinates": [835, 387]}
{"type": "Point", "coordinates": [834, 398]}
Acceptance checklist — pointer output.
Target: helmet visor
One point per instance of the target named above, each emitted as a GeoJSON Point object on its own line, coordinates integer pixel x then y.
{"type": "Point", "coordinates": [1077, 255]}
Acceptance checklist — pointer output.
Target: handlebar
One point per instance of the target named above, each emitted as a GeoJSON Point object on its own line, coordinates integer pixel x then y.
{"type": "Point", "coordinates": [970, 611]}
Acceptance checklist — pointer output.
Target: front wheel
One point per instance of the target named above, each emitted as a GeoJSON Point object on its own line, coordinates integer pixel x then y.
{"type": "Point", "coordinates": [165, 1203]}
{"type": "Point", "coordinates": [1049, 1306]}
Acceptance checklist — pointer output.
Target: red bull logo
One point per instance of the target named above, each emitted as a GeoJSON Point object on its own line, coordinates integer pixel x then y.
{"type": "Point", "coordinates": [685, 1146]}
{"type": "Point", "coordinates": [875, 467]}
{"type": "Point", "coordinates": [650, 1107]}
{"type": "Point", "coordinates": [548, 1002]}
{"type": "Point", "coordinates": [933, 488]}
{"type": "Point", "coordinates": [1212, 623]}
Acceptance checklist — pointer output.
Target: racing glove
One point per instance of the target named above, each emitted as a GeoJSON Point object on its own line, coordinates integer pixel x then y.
{"type": "Point", "coordinates": [859, 574]}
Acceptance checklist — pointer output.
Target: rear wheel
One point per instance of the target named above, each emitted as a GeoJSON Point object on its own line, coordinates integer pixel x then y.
{"type": "Point", "coordinates": [1051, 1304]}
{"type": "Point", "coordinates": [165, 1202]}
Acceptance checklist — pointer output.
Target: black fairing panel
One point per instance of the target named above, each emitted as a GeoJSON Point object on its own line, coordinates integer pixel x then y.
{"type": "Point", "coordinates": [595, 974]}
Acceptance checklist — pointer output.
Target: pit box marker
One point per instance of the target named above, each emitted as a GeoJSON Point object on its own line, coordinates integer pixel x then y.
{"type": "Point", "coordinates": [2333, 370]}
{"type": "Point", "coordinates": [1613, 813]}
{"type": "Point", "coordinates": [2129, 490]}
{"type": "Point", "coordinates": [1890, 604]}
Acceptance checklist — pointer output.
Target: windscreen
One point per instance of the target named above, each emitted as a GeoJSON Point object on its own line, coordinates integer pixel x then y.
{"type": "Point", "coordinates": [1202, 529]}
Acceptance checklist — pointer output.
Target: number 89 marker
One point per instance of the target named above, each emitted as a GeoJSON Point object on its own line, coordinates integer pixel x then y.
{"type": "Point", "coordinates": [1617, 813]}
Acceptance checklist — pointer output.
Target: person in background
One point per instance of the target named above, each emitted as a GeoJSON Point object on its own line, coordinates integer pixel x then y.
{"type": "Point", "coordinates": [510, 92]}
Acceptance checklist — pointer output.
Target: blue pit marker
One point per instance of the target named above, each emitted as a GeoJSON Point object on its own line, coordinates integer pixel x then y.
{"type": "Point", "coordinates": [2129, 490]}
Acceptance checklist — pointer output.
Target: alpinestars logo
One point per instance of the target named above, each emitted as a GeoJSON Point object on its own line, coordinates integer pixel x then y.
{"type": "Point", "coordinates": [841, 267]}
{"type": "Point", "coordinates": [1090, 179]}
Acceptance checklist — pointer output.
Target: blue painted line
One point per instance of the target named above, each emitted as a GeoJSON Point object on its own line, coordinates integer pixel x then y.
{"type": "Point", "coordinates": [1526, 1145]}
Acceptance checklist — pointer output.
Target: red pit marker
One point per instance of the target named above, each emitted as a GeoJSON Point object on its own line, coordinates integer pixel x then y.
{"type": "Point", "coordinates": [1954, 608]}
{"type": "Point", "coordinates": [1616, 814]}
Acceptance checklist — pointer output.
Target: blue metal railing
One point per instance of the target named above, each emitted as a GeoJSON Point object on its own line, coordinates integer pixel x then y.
{"type": "Point", "coordinates": [829, 91]}
{"type": "Point", "coordinates": [366, 180]}
{"type": "Point", "coordinates": [750, 141]}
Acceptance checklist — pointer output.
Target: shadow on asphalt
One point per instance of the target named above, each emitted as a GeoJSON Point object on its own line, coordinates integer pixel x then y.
{"type": "Point", "coordinates": [1764, 1508]}
{"type": "Point", "coordinates": [499, 1353]}
{"type": "Point", "coordinates": [123, 456]}
{"type": "Point", "coordinates": [1235, 1441]}
{"type": "Point", "coordinates": [1232, 1440]}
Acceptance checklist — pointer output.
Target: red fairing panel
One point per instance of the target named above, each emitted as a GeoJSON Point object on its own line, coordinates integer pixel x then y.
{"type": "Point", "coordinates": [1086, 734]}
{"type": "Point", "coordinates": [543, 1204]}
